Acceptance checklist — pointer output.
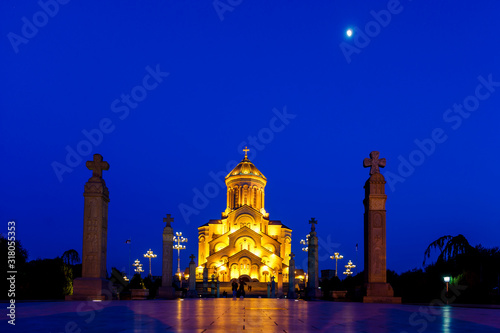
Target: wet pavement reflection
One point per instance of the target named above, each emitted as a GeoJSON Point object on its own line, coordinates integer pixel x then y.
{"type": "Point", "coordinates": [251, 314]}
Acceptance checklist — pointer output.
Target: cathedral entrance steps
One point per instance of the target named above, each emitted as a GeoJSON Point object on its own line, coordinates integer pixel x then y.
{"type": "Point", "coordinates": [257, 288]}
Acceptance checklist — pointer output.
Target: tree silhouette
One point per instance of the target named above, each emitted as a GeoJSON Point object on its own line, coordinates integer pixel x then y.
{"type": "Point", "coordinates": [71, 257]}
{"type": "Point", "coordinates": [449, 247]}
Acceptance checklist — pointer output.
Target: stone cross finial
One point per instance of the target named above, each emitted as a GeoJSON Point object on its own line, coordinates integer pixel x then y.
{"type": "Point", "coordinates": [168, 219]}
{"type": "Point", "coordinates": [313, 222]}
{"type": "Point", "coordinates": [97, 165]}
{"type": "Point", "coordinates": [246, 150]}
{"type": "Point", "coordinates": [291, 255]}
{"type": "Point", "coordinates": [374, 162]}
{"type": "Point", "coordinates": [192, 257]}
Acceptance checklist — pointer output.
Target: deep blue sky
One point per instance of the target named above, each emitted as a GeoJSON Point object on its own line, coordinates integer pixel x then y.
{"type": "Point", "coordinates": [225, 78]}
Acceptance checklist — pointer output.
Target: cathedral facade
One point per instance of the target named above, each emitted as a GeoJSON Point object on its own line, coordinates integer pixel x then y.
{"type": "Point", "coordinates": [245, 243]}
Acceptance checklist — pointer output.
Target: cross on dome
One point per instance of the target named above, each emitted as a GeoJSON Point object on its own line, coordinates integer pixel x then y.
{"type": "Point", "coordinates": [246, 150]}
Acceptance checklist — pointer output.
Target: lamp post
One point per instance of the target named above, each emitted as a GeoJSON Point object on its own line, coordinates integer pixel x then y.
{"type": "Point", "coordinates": [447, 281]}
{"type": "Point", "coordinates": [350, 265]}
{"type": "Point", "coordinates": [149, 254]}
{"type": "Point", "coordinates": [179, 239]}
{"type": "Point", "coordinates": [336, 256]}
{"type": "Point", "coordinates": [349, 268]}
{"type": "Point", "coordinates": [306, 243]}
{"type": "Point", "coordinates": [138, 266]}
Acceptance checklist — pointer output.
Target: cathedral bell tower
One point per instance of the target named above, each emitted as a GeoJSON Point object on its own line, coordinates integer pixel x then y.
{"type": "Point", "coordinates": [245, 186]}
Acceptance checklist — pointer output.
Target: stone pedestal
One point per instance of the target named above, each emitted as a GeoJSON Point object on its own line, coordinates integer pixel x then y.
{"type": "Point", "coordinates": [192, 278]}
{"type": "Point", "coordinates": [291, 278]}
{"type": "Point", "coordinates": [338, 294]}
{"type": "Point", "coordinates": [377, 288]}
{"type": "Point", "coordinates": [312, 263]}
{"type": "Point", "coordinates": [95, 289]}
{"type": "Point", "coordinates": [166, 290]}
{"type": "Point", "coordinates": [139, 294]}
{"type": "Point", "coordinates": [93, 284]}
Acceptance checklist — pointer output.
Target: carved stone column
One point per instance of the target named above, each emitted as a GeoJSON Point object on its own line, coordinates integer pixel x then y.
{"type": "Point", "coordinates": [291, 277]}
{"type": "Point", "coordinates": [280, 283]}
{"type": "Point", "coordinates": [93, 284]}
{"type": "Point", "coordinates": [377, 288]}
{"type": "Point", "coordinates": [166, 290]}
{"type": "Point", "coordinates": [312, 263]}
{"type": "Point", "coordinates": [192, 278]}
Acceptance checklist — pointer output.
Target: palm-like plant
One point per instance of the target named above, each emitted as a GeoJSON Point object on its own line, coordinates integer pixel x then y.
{"type": "Point", "coordinates": [71, 257]}
{"type": "Point", "coordinates": [449, 246]}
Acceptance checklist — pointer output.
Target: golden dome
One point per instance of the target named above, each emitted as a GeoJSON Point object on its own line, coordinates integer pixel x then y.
{"type": "Point", "coordinates": [246, 168]}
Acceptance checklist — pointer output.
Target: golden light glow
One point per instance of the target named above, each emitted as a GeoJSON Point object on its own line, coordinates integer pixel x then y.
{"type": "Point", "coordinates": [149, 254]}
{"type": "Point", "coordinates": [336, 257]}
{"type": "Point", "coordinates": [250, 243]}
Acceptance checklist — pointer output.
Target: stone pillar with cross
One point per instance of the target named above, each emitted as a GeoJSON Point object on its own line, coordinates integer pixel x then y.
{"type": "Point", "coordinates": [192, 278]}
{"type": "Point", "coordinates": [93, 284]}
{"type": "Point", "coordinates": [166, 290]}
{"type": "Point", "coordinates": [377, 288]}
{"type": "Point", "coordinates": [312, 263]}
{"type": "Point", "coordinates": [291, 277]}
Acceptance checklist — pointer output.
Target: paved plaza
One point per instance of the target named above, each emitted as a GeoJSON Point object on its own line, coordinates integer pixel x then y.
{"type": "Point", "coordinates": [251, 314]}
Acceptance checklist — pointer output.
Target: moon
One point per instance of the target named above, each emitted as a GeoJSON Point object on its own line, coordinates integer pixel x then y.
{"type": "Point", "coordinates": [348, 32]}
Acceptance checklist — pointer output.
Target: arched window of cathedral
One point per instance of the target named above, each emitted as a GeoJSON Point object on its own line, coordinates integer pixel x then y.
{"type": "Point", "coordinates": [244, 266]}
{"type": "Point", "coordinates": [245, 190]}
{"type": "Point", "coordinates": [219, 246]}
{"type": "Point", "coordinates": [245, 220]}
{"type": "Point", "coordinates": [245, 243]}
{"type": "Point", "coordinates": [223, 260]}
{"type": "Point", "coordinates": [234, 271]}
{"type": "Point", "coordinates": [270, 247]}
{"type": "Point", "coordinates": [236, 197]}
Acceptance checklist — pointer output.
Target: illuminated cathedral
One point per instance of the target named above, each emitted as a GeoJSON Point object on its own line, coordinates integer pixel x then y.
{"type": "Point", "coordinates": [245, 243]}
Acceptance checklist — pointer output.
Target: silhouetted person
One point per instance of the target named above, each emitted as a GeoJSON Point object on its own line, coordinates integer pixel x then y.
{"type": "Point", "coordinates": [241, 290]}
{"type": "Point", "coordinates": [234, 285]}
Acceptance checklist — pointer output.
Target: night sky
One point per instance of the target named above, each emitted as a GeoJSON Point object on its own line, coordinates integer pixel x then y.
{"type": "Point", "coordinates": [169, 92]}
